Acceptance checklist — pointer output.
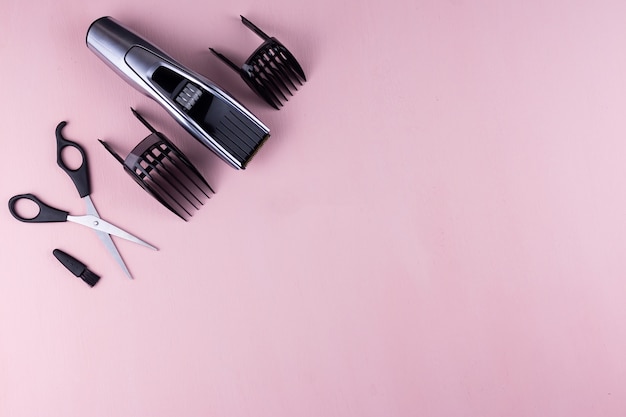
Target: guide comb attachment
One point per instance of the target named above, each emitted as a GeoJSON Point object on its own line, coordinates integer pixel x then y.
{"type": "Point", "coordinates": [271, 71]}
{"type": "Point", "coordinates": [161, 169]}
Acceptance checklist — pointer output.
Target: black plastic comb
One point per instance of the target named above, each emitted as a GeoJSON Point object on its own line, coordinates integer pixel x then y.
{"type": "Point", "coordinates": [160, 168]}
{"type": "Point", "coordinates": [271, 71]}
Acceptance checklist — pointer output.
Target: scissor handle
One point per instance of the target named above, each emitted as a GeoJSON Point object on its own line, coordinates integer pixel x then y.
{"type": "Point", "coordinates": [80, 176]}
{"type": "Point", "coordinates": [46, 213]}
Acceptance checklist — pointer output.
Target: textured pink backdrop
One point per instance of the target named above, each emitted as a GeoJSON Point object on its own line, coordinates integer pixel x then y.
{"type": "Point", "coordinates": [435, 228]}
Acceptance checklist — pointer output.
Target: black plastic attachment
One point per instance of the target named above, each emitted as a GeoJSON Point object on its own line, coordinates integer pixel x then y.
{"type": "Point", "coordinates": [76, 267]}
{"type": "Point", "coordinates": [271, 71]}
{"type": "Point", "coordinates": [80, 176]}
{"type": "Point", "coordinates": [47, 214]}
{"type": "Point", "coordinates": [160, 168]}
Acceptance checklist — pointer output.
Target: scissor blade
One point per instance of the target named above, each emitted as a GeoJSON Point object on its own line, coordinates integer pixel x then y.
{"type": "Point", "coordinates": [96, 223]}
{"type": "Point", "coordinates": [105, 238]}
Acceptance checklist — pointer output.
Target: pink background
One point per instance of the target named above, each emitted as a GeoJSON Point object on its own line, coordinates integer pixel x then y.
{"type": "Point", "coordinates": [435, 228]}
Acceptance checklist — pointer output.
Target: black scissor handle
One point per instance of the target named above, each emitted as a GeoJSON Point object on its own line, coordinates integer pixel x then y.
{"type": "Point", "coordinates": [80, 176]}
{"type": "Point", "coordinates": [46, 213]}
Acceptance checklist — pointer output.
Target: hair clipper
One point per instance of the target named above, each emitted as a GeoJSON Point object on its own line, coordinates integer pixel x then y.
{"type": "Point", "coordinates": [206, 111]}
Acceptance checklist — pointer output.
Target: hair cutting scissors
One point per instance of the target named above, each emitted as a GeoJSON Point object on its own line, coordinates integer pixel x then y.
{"type": "Point", "coordinates": [80, 177]}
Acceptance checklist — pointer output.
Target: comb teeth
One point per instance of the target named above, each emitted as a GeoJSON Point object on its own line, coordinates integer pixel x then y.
{"type": "Point", "coordinates": [166, 173]}
{"type": "Point", "coordinates": [161, 169]}
{"type": "Point", "coordinates": [271, 71]}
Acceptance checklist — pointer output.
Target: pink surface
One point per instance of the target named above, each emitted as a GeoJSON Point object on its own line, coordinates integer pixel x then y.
{"type": "Point", "coordinates": [435, 228]}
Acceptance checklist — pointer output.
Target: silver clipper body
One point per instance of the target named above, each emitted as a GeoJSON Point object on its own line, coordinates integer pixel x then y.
{"type": "Point", "coordinates": [206, 111]}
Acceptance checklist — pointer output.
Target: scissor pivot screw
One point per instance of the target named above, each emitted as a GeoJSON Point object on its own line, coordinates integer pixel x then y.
{"type": "Point", "coordinates": [95, 222]}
